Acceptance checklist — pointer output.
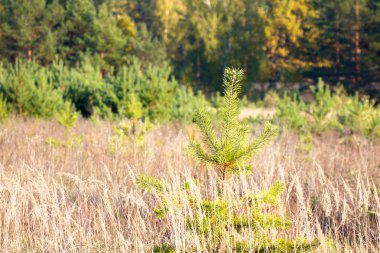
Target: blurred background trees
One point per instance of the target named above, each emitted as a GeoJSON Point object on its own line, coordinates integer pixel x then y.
{"type": "Point", "coordinates": [292, 42]}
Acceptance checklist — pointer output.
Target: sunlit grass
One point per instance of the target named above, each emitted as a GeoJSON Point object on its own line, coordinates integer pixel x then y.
{"type": "Point", "coordinates": [83, 199]}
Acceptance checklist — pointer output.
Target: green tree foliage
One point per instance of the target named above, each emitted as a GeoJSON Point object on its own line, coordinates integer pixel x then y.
{"type": "Point", "coordinates": [29, 28]}
{"type": "Point", "coordinates": [290, 111]}
{"type": "Point", "coordinates": [288, 29]}
{"type": "Point", "coordinates": [350, 40]}
{"type": "Point", "coordinates": [371, 35]}
{"type": "Point", "coordinates": [131, 132]}
{"type": "Point", "coordinates": [107, 38]}
{"type": "Point", "coordinates": [76, 30]}
{"type": "Point", "coordinates": [160, 96]}
{"type": "Point", "coordinates": [322, 109]}
{"type": "Point", "coordinates": [360, 116]}
{"type": "Point", "coordinates": [277, 40]}
{"type": "Point", "coordinates": [171, 15]}
{"type": "Point", "coordinates": [86, 89]}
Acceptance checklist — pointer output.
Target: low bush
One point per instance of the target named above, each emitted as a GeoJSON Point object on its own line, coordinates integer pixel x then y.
{"type": "Point", "coordinates": [330, 111]}
{"type": "Point", "coordinates": [160, 95]}
{"type": "Point", "coordinates": [291, 112]}
{"type": "Point", "coordinates": [86, 89]}
{"type": "Point", "coordinates": [27, 88]}
{"type": "Point", "coordinates": [33, 90]}
{"type": "Point", "coordinates": [360, 116]}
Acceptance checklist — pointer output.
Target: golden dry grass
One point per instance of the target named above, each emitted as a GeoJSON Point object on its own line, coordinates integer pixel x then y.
{"type": "Point", "coordinates": [83, 199]}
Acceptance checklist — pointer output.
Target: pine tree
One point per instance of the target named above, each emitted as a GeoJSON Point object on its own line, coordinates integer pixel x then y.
{"type": "Point", "coordinates": [46, 46]}
{"type": "Point", "coordinates": [29, 29]}
{"type": "Point", "coordinates": [219, 222]}
{"type": "Point", "coordinates": [67, 118]}
{"type": "Point", "coordinates": [77, 28]}
{"type": "Point", "coordinates": [229, 152]}
{"type": "Point", "coordinates": [371, 43]}
{"type": "Point", "coordinates": [171, 25]}
{"type": "Point", "coordinates": [26, 86]}
{"type": "Point", "coordinates": [106, 38]}
{"type": "Point", "coordinates": [288, 29]}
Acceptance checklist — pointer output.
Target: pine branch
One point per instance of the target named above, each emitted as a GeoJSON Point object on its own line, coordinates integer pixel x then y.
{"type": "Point", "coordinates": [262, 221]}
{"type": "Point", "coordinates": [150, 184]}
{"type": "Point", "coordinates": [268, 134]}
{"type": "Point", "coordinates": [198, 152]}
{"type": "Point", "coordinates": [268, 196]}
{"type": "Point", "coordinates": [203, 121]}
{"type": "Point", "coordinates": [230, 109]}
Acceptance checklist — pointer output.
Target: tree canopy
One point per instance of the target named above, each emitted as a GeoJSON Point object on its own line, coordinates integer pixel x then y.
{"type": "Point", "coordinates": [272, 40]}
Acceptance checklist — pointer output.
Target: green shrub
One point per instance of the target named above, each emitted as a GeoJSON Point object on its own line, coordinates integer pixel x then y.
{"type": "Point", "coordinates": [155, 91]}
{"type": "Point", "coordinates": [305, 142]}
{"type": "Point", "coordinates": [161, 97]}
{"type": "Point", "coordinates": [186, 103]}
{"type": "Point", "coordinates": [131, 132]}
{"type": "Point", "coordinates": [330, 111]}
{"type": "Point", "coordinates": [361, 116]}
{"type": "Point", "coordinates": [86, 89]}
{"type": "Point", "coordinates": [228, 152]}
{"type": "Point", "coordinates": [321, 109]}
{"type": "Point", "coordinates": [216, 100]}
{"type": "Point", "coordinates": [26, 87]}
{"type": "Point", "coordinates": [33, 90]}
{"type": "Point", "coordinates": [291, 112]}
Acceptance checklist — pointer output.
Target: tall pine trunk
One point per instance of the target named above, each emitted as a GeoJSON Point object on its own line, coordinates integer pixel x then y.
{"type": "Point", "coordinates": [357, 42]}
{"type": "Point", "coordinates": [337, 46]}
{"type": "Point", "coordinates": [30, 52]}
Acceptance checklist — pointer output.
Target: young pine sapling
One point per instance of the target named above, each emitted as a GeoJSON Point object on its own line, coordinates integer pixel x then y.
{"type": "Point", "coordinates": [67, 118]}
{"type": "Point", "coordinates": [224, 224]}
{"type": "Point", "coordinates": [229, 151]}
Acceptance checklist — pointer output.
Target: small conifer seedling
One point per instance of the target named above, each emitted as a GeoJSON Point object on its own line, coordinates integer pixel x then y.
{"type": "Point", "coordinates": [229, 151]}
{"type": "Point", "coordinates": [225, 224]}
{"type": "Point", "coordinates": [67, 118]}
{"type": "Point", "coordinates": [133, 130]}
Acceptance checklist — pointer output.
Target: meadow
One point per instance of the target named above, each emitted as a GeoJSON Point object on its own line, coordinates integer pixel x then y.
{"type": "Point", "coordinates": [158, 168]}
{"type": "Point", "coordinates": [190, 126]}
{"type": "Point", "coordinates": [84, 198]}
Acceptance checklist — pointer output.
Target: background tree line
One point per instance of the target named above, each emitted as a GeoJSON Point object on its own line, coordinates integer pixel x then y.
{"type": "Point", "coordinates": [288, 41]}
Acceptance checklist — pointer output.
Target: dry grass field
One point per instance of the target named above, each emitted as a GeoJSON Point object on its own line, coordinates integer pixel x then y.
{"type": "Point", "coordinates": [83, 199]}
